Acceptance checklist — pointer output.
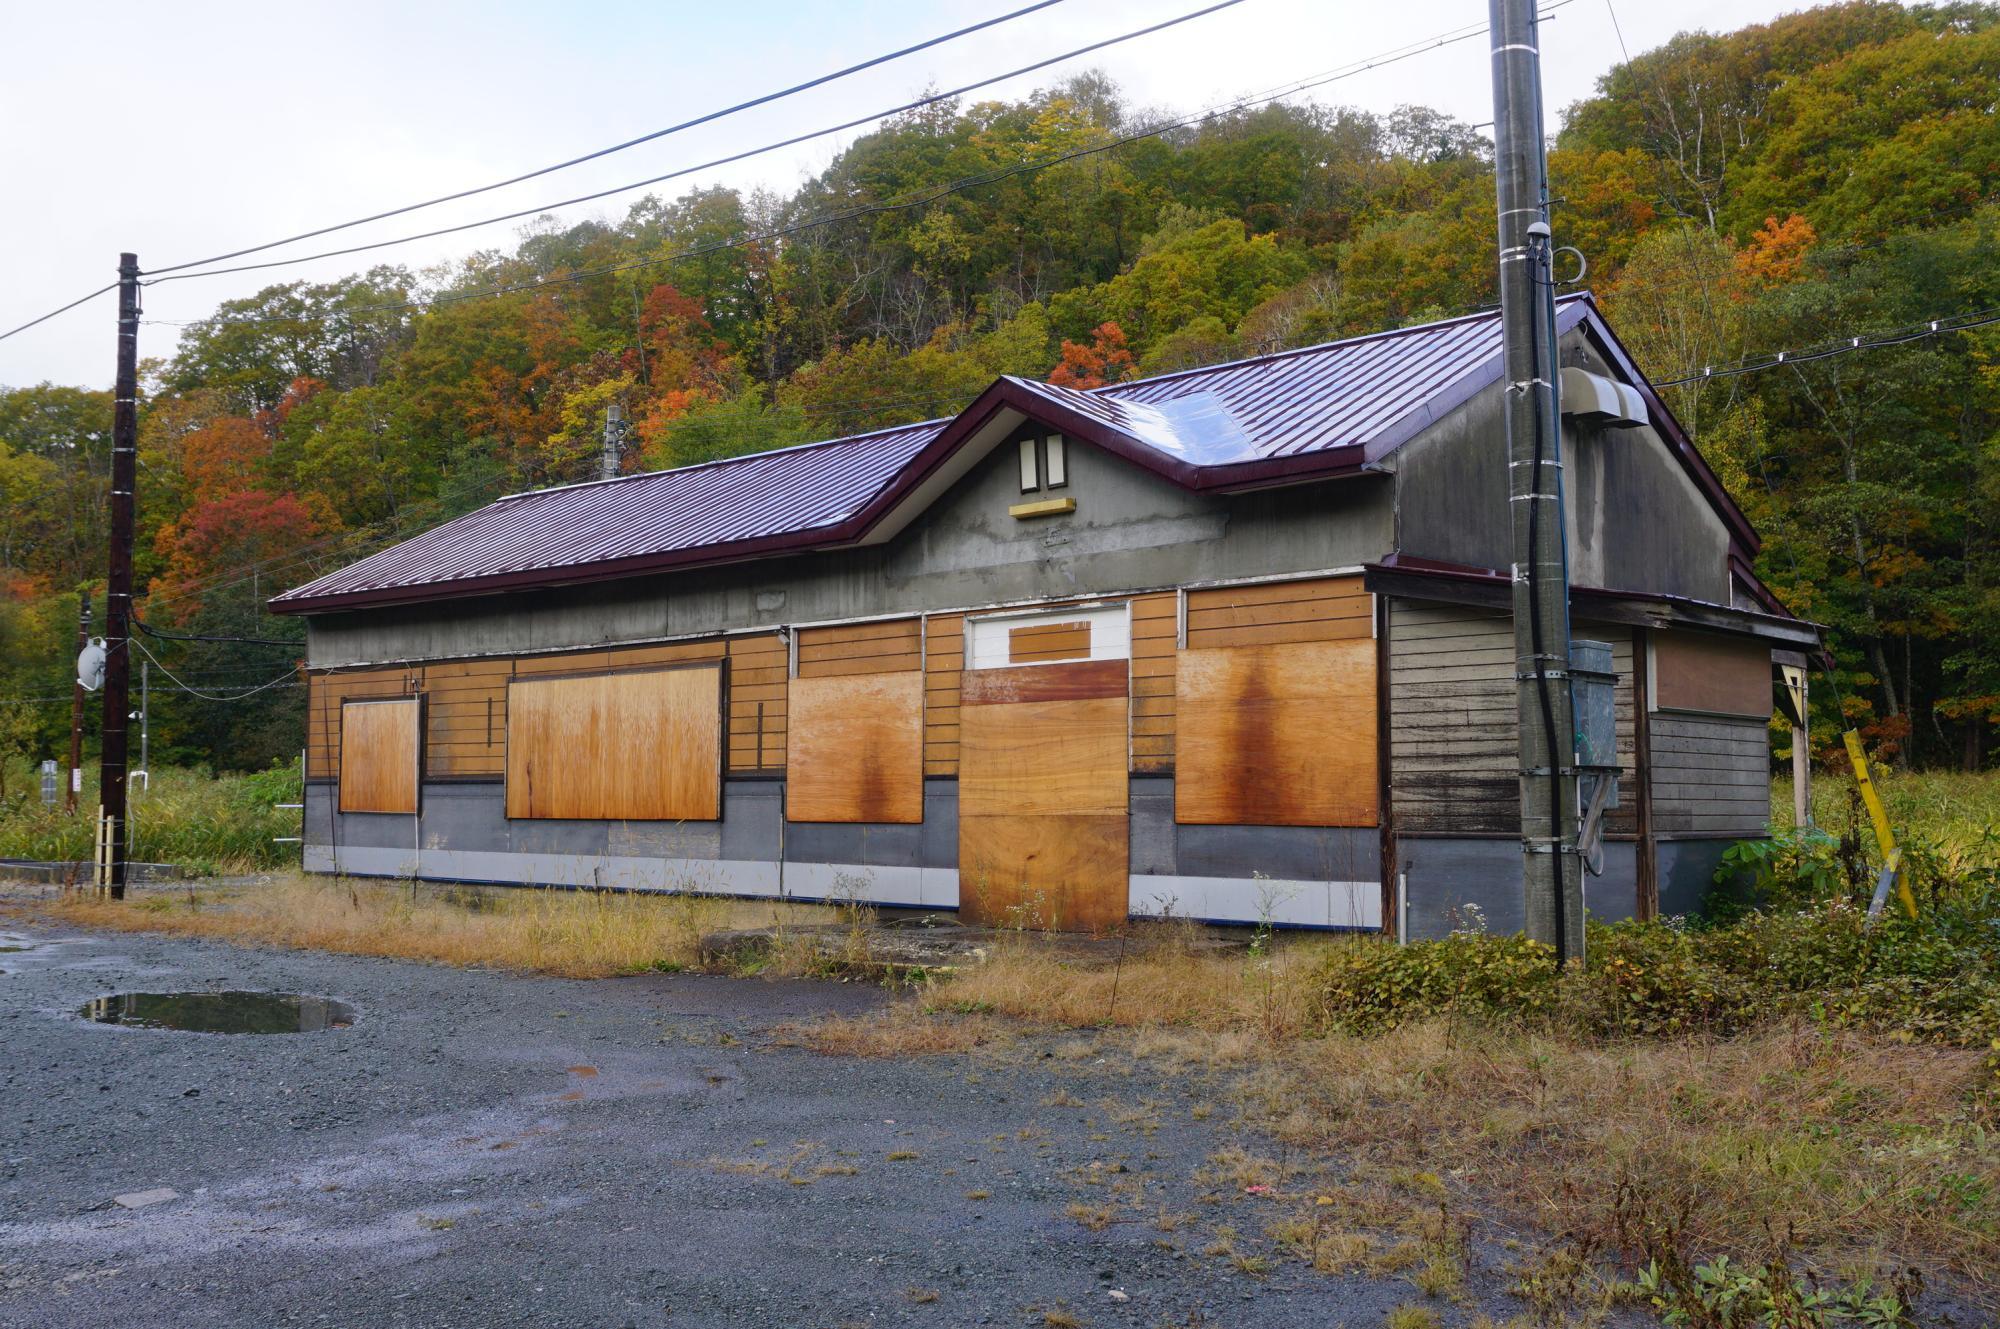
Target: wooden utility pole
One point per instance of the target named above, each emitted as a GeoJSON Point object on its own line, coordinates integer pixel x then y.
{"type": "Point", "coordinates": [1551, 871]}
{"type": "Point", "coordinates": [118, 584]}
{"type": "Point", "coordinates": [75, 775]}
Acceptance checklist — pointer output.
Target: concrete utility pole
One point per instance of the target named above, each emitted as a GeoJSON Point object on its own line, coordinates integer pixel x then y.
{"type": "Point", "coordinates": [75, 776]}
{"type": "Point", "coordinates": [118, 585]}
{"type": "Point", "coordinates": [614, 441]}
{"type": "Point", "coordinates": [1551, 871]}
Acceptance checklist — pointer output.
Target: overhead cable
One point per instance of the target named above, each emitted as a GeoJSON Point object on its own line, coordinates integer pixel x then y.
{"type": "Point", "coordinates": [1845, 346]}
{"type": "Point", "coordinates": [930, 99]}
{"type": "Point", "coordinates": [707, 118]}
{"type": "Point", "coordinates": [80, 300]}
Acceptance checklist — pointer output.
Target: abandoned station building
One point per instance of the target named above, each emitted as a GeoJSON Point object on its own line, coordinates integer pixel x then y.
{"type": "Point", "coordinates": [1230, 644]}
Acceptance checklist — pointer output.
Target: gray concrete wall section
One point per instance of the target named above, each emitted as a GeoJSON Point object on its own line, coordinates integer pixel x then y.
{"type": "Point", "coordinates": [1637, 522]}
{"type": "Point", "coordinates": [1132, 530]}
{"type": "Point", "coordinates": [1446, 875]}
{"type": "Point", "coordinates": [1687, 874]}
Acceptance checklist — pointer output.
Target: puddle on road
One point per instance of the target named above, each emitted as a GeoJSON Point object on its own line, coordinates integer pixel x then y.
{"type": "Point", "coordinates": [221, 1012]}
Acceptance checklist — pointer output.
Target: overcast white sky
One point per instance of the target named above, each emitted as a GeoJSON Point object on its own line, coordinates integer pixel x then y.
{"type": "Point", "coordinates": [181, 130]}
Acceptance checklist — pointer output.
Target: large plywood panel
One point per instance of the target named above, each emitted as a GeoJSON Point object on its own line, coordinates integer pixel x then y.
{"type": "Point", "coordinates": [378, 755]}
{"type": "Point", "coordinates": [857, 749]}
{"type": "Point", "coordinates": [1061, 872]}
{"type": "Point", "coordinates": [1695, 671]}
{"type": "Point", "coordinates": [636, 746]}
{"type": "Point", "coordinates": [1278, 735]}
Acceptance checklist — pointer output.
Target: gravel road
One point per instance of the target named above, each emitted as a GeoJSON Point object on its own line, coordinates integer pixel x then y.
{"type": "Point", "coordinates": [486, 1149]}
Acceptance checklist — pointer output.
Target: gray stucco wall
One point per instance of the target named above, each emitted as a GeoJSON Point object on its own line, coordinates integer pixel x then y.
{"type": "Point", "coordinates": [1132, 530]}
{"type": "Point", "coordinates": [1637, 522]}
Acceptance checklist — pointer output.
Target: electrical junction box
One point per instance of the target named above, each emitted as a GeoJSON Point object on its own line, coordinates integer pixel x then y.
{"type": "Point", "coordinates": [1593, 683]}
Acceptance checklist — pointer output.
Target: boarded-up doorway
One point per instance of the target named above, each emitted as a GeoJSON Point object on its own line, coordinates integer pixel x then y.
{"type": "Point", "coordinates": [1042, 795]}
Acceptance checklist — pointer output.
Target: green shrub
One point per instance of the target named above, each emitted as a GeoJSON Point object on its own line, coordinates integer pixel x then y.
{"type": "Point", "coordinates": [1935, 979]}
{"type": "Point", "coordinates": [1372, 985]}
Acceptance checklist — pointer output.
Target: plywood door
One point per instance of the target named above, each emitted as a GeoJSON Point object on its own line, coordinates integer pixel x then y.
{"type": "Point", "coordinates": [1043, 832]}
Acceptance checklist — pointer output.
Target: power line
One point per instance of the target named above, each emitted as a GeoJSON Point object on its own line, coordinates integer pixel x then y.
{"type": "Point", "coordinates": [710, 116]}
{"type": "Point", "coordinates": [394, 525]}
{"type": "Point", "coordinates": [914, 199]}
{"type": "Point", "coordinates": [152, 631]}
{"type": "Point", "coordinates": [80, 300]}
{"type": "Point", "coordinates": [1847, 346]}
{"type": "Point", "coordinates": [930, 99]}
{"type": "Point", "coordinates": [289, 674]}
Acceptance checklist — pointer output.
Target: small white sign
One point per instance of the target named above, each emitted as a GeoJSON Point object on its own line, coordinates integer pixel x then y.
{"type": "Point", "coordinates": [76, 780]}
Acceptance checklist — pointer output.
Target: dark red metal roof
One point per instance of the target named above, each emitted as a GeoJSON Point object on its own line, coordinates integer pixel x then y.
{"type": "Point", "coordinates": [1322, 411]}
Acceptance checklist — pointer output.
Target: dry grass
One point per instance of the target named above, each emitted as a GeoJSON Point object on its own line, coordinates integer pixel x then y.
{"type": "Point", "coordinates": [1163, 980]}
{"type": "Point", "coordinates": [573, 934]}
{"type": "Point", "coordinates": [1850, 1153]}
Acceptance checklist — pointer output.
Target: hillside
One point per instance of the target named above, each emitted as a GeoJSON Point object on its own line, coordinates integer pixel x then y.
{"type": "Point", "coordinates": [1783, 187]}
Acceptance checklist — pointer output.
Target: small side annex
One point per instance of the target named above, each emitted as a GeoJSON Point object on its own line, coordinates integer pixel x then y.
{"type": "Point", "coordinates": [1231, 644]}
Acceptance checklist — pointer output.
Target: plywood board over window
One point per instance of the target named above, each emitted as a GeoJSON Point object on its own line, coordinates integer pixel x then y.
{"type": "Point", "coordinates": [1277, 735]}
{"type": "Point", "coordinates": [639, 746]}
{"type": "Point", "coordinates": [857, 725]}
{"type": "Point", "coordinates": [379, 755]}
{"type": "Point", "coordinates": [1716, 675]}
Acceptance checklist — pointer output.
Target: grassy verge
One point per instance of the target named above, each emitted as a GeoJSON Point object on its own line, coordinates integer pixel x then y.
{"type": "Point", "coordinates": [204, 822]}
{"type": "Point", "coordinates": [572, 934]}
{"type": "Point", "coordinates": [1844, 1157]}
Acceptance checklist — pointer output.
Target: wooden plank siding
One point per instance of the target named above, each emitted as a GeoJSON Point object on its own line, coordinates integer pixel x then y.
{"type": "Point", "coordinates": [944, 662]}
{"type": "Point", "coordinates": [1155, 663]}
{"type": "Point", "coordinates": [861, 648]}
{"type": "Point", "coordinates": [1711, 775]}
{"type": "Point", "coordinates": [326, 691]}
{"type": "Point", "coordinates": [1454, 756]}
{"type": "Point", "coordinates": [1273, 613]}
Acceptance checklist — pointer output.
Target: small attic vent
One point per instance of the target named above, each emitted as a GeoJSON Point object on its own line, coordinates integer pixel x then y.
{"type": "Point", "coordinates": [1601, 400]}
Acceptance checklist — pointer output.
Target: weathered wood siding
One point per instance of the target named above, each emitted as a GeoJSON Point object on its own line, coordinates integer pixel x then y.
{"type": "Point", "coordinates": [1454, 756]}
{"type": "Point", "coordinates": [1155, 646]}
{"type": "Point", "coordinates": [1711, 775]}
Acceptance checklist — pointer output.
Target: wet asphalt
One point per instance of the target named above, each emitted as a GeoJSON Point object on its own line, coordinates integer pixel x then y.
{"type": "Point", "coordinates": [485, 1149]}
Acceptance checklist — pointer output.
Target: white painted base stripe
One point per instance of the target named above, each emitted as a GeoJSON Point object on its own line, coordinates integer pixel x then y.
{"type": "Point", "coordinates": [1319, 904]}
{"type": "Point", "coordinates": [1325, 904]}
{"type": "Point", "coordinates": [928, 888]}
